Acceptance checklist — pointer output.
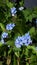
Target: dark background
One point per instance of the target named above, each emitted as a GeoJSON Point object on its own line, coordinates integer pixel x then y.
{"type": "Point", "coordinates": [30, 3]}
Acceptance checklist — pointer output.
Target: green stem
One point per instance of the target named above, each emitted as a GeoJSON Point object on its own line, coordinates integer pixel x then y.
{"type": "Point", "coordinates": [18, 61]}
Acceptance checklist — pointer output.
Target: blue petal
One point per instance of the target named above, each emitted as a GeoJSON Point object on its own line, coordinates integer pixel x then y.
{"type": "Point", "coordinates": [4, 35]}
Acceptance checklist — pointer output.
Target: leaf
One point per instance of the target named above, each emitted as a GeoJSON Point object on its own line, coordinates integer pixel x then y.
{"type": "Point", "coordinates": [32, 31]}
{"type": "Point", "coordinates": [2, 27]}
{"type": "Point", "coordinates": [9, 4]}
{"type": "Point", "coordinates": [11, 43]}
{"type": "Point", "coordinates": [1, 44]}
{"type": "Point", "coordinates": [10, 50]}
{"type": "Point", "coordinates": [31, 47]}
{"type": "Point", "coordinates": [16, 35]}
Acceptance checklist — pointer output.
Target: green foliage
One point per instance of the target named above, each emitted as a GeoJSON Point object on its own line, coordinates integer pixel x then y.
{"type": "Point", "coordinates": [0, 44]}
{"type": "Point", "coordinates": [23, 55]}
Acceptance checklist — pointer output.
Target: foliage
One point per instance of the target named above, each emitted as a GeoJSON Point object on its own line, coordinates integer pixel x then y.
{"type": "Point", "coordinates": [9, 53]}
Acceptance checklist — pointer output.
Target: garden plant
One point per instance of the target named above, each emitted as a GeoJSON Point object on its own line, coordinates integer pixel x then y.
{"type": "Point", "coordinates": [18, 33]}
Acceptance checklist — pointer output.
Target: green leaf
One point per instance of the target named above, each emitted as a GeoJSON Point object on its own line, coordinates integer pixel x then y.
{"type": "Point", "coordinates": [11, 43]}
{"type": "Point", "coordinates": [16, 35]}
{"type": "Point", "coordinates": [1, 44]}
{"type": "Point", "coordinates": [2, 27]}
{"type": "Point", "coordinates": [10, 50]}
{"type": "Point", "coordinates": [32, 31]}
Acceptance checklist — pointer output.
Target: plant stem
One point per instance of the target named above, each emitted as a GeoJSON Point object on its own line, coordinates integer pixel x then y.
{"type": "Point", "coordinates": [18, 61]}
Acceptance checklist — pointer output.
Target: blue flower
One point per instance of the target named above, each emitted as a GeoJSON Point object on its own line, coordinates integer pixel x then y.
{"type": "Point", "coordinates": [17, 45]}
{"type": "Point", "coordinates": [13, 11]}
{"type": "Point", "coordinates": [25, 39]}
{"type": "Point", "coordinates": [27, 34]}
{"type": "Point", "coordinates": [13, 25]}
{"type": "Point", "coordinates": [4, 35]}
{"type": "Point", "coordinates": [29, 41]}
{"type": "Point", "coordinates": [10, 26]}
{"type": "Point", "coordinates": [18, 42]}
{"type": "Point", "coordinates": [19, 38]}
{"type": "Point", "coordinates": [26, 44]}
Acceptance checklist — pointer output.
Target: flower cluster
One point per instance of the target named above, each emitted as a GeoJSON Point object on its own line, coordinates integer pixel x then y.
{"type": "Point", "coordinates": [25, 39]}
{"type": "Point", "coordinates": [14, 11]}
{"type": "Point", "coordinates": [10, 26]}
{"type": "Point", "coordinates": [3, 36]}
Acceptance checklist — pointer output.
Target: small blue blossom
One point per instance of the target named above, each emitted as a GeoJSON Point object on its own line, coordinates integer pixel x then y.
{"type": "Point", "coordinates": [13, 11]}
{"type": "Point", "coordinates": [13, 25]}
{"type": "Point", "coordinates": [17, 45]}
{"type": "Point", "coordinates": [28, 39]}
{"type": "Point", "coordinates": [19, 38]}
{"type": "Point", "coordinates": [4, 35]}
{"type": "Point", "coordinates": [18, 42]}
{"type": "Point", "coordinates": [28, 42]}
{"type": "Point", "coordinates": [27, 34]}
{"type": "Point", "coordinates": [10, 26]}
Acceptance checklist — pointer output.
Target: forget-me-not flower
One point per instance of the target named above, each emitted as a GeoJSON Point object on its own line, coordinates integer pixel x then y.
{"type": "Point", "coordinates": [4, 35]}
{"type": "Point", "coordinates": [10, 26]}
{"type": "Point", "coordinates": [13, 11]}
{"type": "Point", "coordinates": [18, 42]}
{"type": "Point", "coordinates": [27, 34]}
{"type": "Point", "coordinates": [17, 45]}
{"type": "Point", "coordinates": [25, 39]}
{"type": "Point", "coordinates": [28, 39]}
